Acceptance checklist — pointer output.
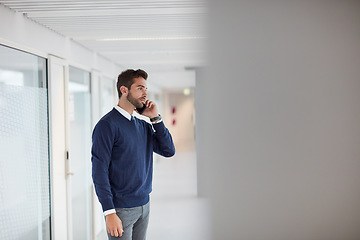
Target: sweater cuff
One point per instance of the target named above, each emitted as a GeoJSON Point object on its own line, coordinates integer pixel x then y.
{"type": "Point", "coordinates": [159, 126]}
{"type": "Point", "coordinates": [107, 204]}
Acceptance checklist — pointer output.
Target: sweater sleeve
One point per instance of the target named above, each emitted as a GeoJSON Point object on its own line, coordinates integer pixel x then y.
{"type": "Point", "coordinates": [102, 143]}
{"type": "Point", "coordinates": [162, 140]}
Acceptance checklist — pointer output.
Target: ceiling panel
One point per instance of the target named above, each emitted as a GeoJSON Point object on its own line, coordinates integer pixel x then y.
{"type": "Point", "coordinates": [162, 34]}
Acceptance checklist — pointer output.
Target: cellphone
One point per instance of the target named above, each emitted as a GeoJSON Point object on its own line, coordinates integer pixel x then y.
{"type": "Point", "coordinates": [141, 110]}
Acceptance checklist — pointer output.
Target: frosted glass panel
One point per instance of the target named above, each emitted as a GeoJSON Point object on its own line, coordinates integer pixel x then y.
{"type": "Point", "coordinates": [24, 162]}
{"type": "Point", "coordinates": [108, 100]}
{"type": "Point", "coordinates": [80, 144]}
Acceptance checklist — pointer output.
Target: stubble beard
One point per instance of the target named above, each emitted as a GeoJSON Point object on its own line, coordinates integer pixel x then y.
{"type": "Point", "coordinates": [136, 102]}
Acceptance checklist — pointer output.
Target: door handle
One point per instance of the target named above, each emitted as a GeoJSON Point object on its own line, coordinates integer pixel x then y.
{"type": "Point", "coordinates": [67, 165]}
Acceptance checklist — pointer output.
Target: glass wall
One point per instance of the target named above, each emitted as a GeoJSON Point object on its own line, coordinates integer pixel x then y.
{"type": "Point", "coordinates": [80, 146]}
{"type": "Point", "coordinates": [24, 146]}
{"type": "Point", "coordinates": [108, 100]}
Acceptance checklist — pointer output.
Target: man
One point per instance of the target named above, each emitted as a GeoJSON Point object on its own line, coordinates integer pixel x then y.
{"type": "Point", "coordinates": [122, 158]}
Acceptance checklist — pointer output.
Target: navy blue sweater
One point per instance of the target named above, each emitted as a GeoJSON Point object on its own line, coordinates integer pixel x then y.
{"type": "Point", "coordinates": [122, 159]}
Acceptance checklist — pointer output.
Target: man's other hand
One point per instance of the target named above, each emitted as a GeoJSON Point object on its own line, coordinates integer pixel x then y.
{"type": "Point", "coordinates": [114, 225]}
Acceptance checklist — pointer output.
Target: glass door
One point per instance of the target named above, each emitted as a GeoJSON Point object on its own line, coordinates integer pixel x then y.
{"type": "Point", "coordinates": [24, 146]}
{"type": "Point", "coordinates": [79, 108]}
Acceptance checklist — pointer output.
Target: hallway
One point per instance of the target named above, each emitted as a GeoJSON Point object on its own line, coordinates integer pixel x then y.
{"type": "Point", "coordinates": [176, 212]}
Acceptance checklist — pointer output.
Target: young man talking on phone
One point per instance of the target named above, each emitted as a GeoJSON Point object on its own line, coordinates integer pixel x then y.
{"type": "Point", "coordinates": [122, 158]}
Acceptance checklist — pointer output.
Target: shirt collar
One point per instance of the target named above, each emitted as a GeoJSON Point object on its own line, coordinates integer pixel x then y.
{"type": "Point", "coordinates": [123, 112]}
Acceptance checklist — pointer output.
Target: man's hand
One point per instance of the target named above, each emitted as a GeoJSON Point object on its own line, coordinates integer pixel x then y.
{"type": "Point", "coordinates": [151, 109]}
{"type": "Point", "coordinates": [114, 225]}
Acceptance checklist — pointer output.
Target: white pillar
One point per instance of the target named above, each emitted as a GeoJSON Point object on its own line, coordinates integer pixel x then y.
{"type": "Point", "coordinates": [58, 76]}
{"type": "Point", "coordinates": [202, 108]}
{"type": "Point", "coordinates": [279, 119]}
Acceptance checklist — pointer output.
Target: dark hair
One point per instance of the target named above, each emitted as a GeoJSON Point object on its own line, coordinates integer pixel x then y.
{"type": "Point", "coordinates": [126, 78]}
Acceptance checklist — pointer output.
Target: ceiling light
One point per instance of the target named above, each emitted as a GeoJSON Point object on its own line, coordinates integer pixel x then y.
{"type": "Point", "coordinates": [149, 38]}
{"type": "Point", "coordinates": [186, 91]}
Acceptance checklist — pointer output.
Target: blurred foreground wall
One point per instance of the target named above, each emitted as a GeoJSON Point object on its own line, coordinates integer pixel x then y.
{"type": "Point", "coordinates": [279, 124]}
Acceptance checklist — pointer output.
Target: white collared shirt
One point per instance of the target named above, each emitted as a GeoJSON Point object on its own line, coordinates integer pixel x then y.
{"type": "Point", "coordinates": [123, 112]}
{"type": "Point", "coordinates": [135, 114]}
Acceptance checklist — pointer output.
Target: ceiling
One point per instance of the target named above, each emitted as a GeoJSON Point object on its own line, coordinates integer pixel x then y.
{"type": "Point", "coordinates": [158, 35]}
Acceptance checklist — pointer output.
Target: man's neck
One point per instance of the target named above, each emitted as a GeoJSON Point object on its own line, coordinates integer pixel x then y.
{"type": "Point", "coordinates": [126, 105]}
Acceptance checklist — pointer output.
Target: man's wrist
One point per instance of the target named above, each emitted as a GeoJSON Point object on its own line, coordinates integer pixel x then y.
{"type": "Point", "coordinates": [110, 211]}
{"type": "Point", "coordinates": [156, 119]}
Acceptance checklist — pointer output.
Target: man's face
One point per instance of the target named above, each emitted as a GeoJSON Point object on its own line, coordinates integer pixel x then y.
{"type": "Point", "coordinates": [137, 92]}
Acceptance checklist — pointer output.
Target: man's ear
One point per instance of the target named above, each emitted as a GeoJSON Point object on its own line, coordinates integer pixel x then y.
{"type": "Point", "coordinates": [124, 90]}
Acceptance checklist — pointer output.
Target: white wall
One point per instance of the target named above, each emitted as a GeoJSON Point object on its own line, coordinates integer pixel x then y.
{"type": "Point", "coordinates": [174, 80]}
{"type": "Point", "coordinates": [284, 77]}
{"type": "Point", "coordinates": [19, 32]}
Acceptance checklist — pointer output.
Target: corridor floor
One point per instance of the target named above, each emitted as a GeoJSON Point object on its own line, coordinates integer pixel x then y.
{"type": "Point", "coordinates": [176, 212]}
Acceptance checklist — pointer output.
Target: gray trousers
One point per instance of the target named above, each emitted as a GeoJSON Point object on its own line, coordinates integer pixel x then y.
{"type": "Point", "coordinates": [135, 222]}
